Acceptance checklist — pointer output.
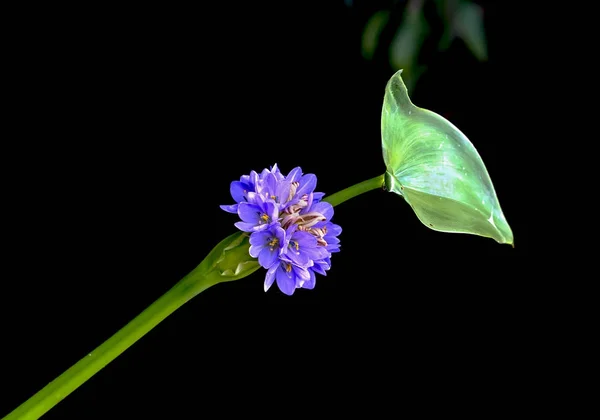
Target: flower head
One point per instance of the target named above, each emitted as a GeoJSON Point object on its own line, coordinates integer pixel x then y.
{"type": "Point", "coordinates": [291, 230]}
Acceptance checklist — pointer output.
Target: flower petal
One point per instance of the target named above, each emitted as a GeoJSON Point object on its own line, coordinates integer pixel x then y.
{"type": "Point", "coordinates": [301, 272]}
{"type": "Point", "coordinates": [294, 174]}
{"type": "Point", "coordinates": [291, 230]}
{"type": "Point", "coordinates": [249, 213]}
{"type": "Point", "coordinates": [272, 210]}
{"type": "Point", "coordinates": [260, 238]}
{"type": "Point", "coordinates": [280, 235]}
{"type": "Point", "coordinates": [258, 228]}
{"type": "Point", "coordinates": [309, 201]}
{"type": "Point", "coordinates": [270, 277]}
{"type": "Point", "coordinates": [254, 180]}
{"type": "Point", "coordinates": [316, 253]}
{"type": "Point", "coordinates": [319, 267]}
{"type": "Point", "coordinates": [255, 250]}
{"type": "Point", "coordinates": [238, 190]}
{"type": "Point", "coordinates": [331, 240]}
{"type": "Point", "coordinates": [324, 208]}
{"type": "Point", "coordinates": [283, 191]}
{"type": "Point", "coordinates": [304, 239]}
{"type": "Point", "coordinates": [270, 184]}
{"type": "Point", "coordinates": [230, 208]}
{"type": "Point", "coordinates": [285, 281]}
{"type": "Point", "coordinates": [333, 229]}
{"type": "Point", "coordinates": [318, 196]}
{"type": "Point", "coordinates": [259, 200]}
{"type": "Point", "coordinates": [267, 258]}
{"type": "Point", "coordinates": [246, 227]}
{"type": "Point", "coordinates": [251, 196]}
{"type": "Point", "coordinates": [297, 257]}
{"type": "Point", "coordinates": [307, 184]}
{"type": "Point", "coordinates": [332, 248]}
{"type": "Point", "coordinates": [310, 283]}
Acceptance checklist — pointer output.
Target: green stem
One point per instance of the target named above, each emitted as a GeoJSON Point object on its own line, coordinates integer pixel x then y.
{"type": "Point", "coordinates": [214, 268]}
{"type": "Point", "coordinates": [58, 389]}
{"type": "Point", "coordinates": [351, 192]}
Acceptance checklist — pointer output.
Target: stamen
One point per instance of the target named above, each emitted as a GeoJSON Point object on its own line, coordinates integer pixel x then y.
{"type": "Point", "coordinates": [311, 219]}
{"type": "Point", "coordinates": [265, 217]}
{"type": "Point", "coordinates": [314, 222]}
{"type": "Point", "coordinates": [311, 215]}
{"type": "Point", "coordinates": [288, 268]}
{"type": "Point", "coordinates": [293, 189]}
{"type": "Point", "coordinates": [316, 232]}
{"type": "Point", "coordinates": [288, 220]}
{"type": "Point", "coordinates": [319, 231]}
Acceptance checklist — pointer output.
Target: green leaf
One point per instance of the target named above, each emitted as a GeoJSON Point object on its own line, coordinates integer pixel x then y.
{"type": "Point", "coordinates": [437, 170]}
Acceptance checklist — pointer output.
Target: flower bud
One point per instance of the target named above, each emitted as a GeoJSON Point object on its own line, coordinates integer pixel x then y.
{"type": "Point", "coordinates": [229, 260]}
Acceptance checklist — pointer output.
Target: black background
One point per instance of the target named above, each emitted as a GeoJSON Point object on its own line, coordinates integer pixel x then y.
{"type": "Point", "coordinates": [132, 124]}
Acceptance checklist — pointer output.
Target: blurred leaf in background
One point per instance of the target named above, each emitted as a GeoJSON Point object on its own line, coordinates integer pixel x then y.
{"type": "Point", "coordinates": [462, 19]}
{"type": "Point", "coordinates": [373, 28]}
{"type": "Point", "coordinates": [406, 44]}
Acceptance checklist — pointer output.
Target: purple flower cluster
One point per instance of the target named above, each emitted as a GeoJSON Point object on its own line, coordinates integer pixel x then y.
{"type": "Point", "coordinates": [291, 232]}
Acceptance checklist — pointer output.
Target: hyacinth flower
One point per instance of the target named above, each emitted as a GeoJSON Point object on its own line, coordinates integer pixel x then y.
{"type": "Point", "coordinates": [289, 227]}
{"type": "Point", "coordinates": [285, 227]}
